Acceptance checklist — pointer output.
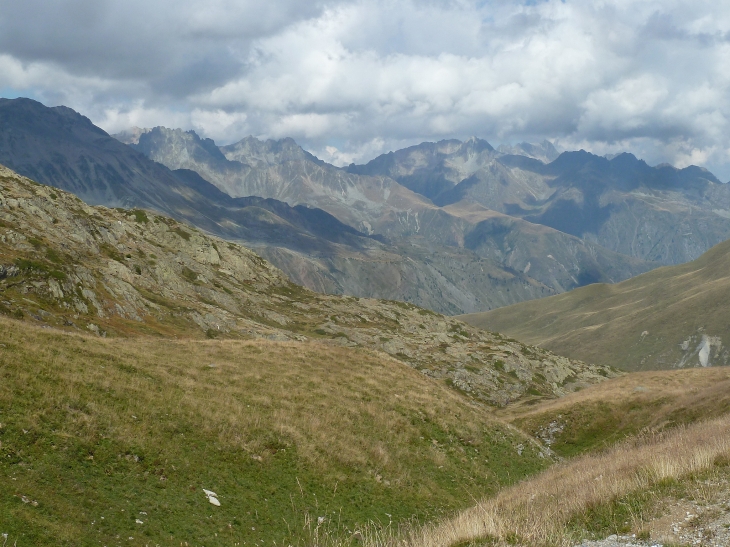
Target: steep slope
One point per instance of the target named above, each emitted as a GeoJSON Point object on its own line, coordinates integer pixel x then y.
{"type": "Point", "coordinates": [547, 261]}
{"type": "Point", "coordinates": [62, 148]}
{"type": "Point", "coordinates": [672, 317]}
{"type": "Point", "coordinates": [657, 213]}
{"type": "Point", "coordinates": [65, 264]}
{"type": "Point", "coordinates": [558, 260]}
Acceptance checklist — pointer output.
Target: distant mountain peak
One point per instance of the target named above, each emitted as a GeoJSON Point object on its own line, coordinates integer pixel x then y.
{"type": "Point", "coordinates": [478, 144]}
{"type": "Point", "coordinates": [544, 151]}
{"type": "Point", "coordinates": [131, 135]}
{"type": "Point", "coordinates": [265, 153]}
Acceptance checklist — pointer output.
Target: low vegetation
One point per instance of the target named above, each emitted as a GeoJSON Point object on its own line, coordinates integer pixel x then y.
{"type": "Point", "coordinates": [668, 318]}
{"type": "Point", "coordinates": [102, 440]}
{"type": "Point", "coordinates": [635, 404]}
{"type": "Point", "coordinates": [665, 448]}
{"type": "Point", "coordinates": [594, 495]}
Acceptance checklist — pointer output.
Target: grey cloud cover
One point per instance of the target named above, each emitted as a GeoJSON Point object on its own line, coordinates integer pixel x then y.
{"type": "Point", "coordinates": [352, 79]}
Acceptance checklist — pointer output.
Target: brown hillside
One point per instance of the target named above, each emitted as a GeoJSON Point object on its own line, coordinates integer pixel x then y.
{"type": "Point", "coordinates": [672, 317]}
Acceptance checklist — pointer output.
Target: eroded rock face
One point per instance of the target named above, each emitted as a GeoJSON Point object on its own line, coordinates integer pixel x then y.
{"type": "Point", "coordinates": [439, 254]}
{"type": "Point", "coordinates": [120, 272]}
{"type": "Point", "coordinates": [702, 349]}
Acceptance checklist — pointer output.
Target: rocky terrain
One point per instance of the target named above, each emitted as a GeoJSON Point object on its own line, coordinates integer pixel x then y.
{"type": "Point", "coordinates": [657, 213]}
{"type": "Point", "coordinates": [701, 522]}
{"type": "Point", "coordinates": [547, 260]}
{"type": "Point", "coordinates": [118, 272]}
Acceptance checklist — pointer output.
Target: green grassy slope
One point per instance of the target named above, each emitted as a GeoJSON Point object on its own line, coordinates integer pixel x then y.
{"type": "Point", "coordinates": [641, 403]}
{"type": "Point", "coordinates": [97, 434]}
{"type": "Point", "coordinates": [667, 318]}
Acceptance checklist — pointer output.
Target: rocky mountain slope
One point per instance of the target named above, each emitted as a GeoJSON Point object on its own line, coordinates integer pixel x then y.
{"type": "Point", "coordinates": [547, 258]}
{"type": "Point", "coordinates": [61, 148]}
{"type": "Point", "coordinates": [657, 213]}
{"type": "Point", "coordinates": [671, 317]}
{"type": "Point", "coordinates": [69, 265]}
{"type": "Point", "coordinates": [283, 171]}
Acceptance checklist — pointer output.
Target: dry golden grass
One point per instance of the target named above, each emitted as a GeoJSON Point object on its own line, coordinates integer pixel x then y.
{"type": "Point", "coordinates": [704, 389]}
{"type": "Point", "coordinates": [601, 415]}
{"type": "Point", "coordinates": [637, 324]}
{"type": "Point", "coordinates": [312, 394]}
{"type": "Point", "coordinates": [538, 511]}
{"type": "Point", "coordinates": [279, 429]}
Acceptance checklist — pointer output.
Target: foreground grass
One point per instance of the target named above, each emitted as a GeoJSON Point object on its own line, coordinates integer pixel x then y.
{"type": "Point", "coordinates": [593, 495]}
{"type": "Point", "coordinates": [295, 438]}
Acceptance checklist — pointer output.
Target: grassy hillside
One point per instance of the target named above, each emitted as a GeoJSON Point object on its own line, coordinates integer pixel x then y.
{"type": "Point", "coordinates": [647, 454]}
{"type": "Point", "coordinates": [98, 434]}
{"type": "Point", "coordinates": [635, 488]}
{"type": "Point", "coordinates": [642, 403]}
{"type": "Point", "coordinates": [129, 272]}
{"type": "Point", "coordinates": [667, 318]}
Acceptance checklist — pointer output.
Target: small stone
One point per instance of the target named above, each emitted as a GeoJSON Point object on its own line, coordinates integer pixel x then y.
{"type": "Point", "coordinates": [212, 497]}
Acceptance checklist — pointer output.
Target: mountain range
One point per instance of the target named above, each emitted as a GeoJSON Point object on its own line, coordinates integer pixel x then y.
{"type": "Point", "coordinates": [372, 236]}
{"type": "Point", "coordinates": [379, 204]}
{"type": "Point", "coordinates": [457, 227]}
{"type": "Point", "coordinates": [661, 213]}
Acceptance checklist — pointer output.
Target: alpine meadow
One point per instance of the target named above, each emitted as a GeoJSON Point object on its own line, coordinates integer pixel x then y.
{"type": "Point", "coordinates": [353, 273]}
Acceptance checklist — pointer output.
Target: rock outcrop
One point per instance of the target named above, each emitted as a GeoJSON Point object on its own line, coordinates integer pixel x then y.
{"type": "Point", "coordinates": [124, 272]}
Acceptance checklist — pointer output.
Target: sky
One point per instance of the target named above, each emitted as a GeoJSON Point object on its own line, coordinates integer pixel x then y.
{"type": "Point", "coordinates": [351, 79]}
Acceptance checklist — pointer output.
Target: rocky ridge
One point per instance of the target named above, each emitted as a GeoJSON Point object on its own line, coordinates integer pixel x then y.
{"type": "Point", "coordinates": [127, 272]}
{"type": "Point", "coordinates": [657, 213]}
{"type": "Point", "coordinates": [469, 236]}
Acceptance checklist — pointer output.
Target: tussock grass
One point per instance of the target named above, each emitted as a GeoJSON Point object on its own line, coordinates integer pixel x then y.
{"type": "Point", "coordinates": [285, 433]}
{"type": "Point", "coordinates": [548, 510]}
{"type": "Point", "coordinates": [637, 403]}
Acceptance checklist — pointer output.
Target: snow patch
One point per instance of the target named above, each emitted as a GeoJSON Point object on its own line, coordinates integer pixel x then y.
{"type": "Point", "coordinates": [704, 351]}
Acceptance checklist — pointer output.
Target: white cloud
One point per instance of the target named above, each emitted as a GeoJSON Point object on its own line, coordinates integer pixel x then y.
{"type": "Point", "coordinates": [351, 79]}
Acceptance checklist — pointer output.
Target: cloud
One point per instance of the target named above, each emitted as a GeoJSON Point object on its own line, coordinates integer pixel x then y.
{"type": "Point", "coordinates": [351, 79]}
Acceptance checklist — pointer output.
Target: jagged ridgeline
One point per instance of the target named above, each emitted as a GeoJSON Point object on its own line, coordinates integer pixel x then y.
{"type": "Point", "coordinates": [124, 272]}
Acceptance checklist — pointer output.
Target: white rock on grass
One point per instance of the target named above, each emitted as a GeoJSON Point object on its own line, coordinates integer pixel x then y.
{"type": "Point", "coordinates": [212, 497]}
